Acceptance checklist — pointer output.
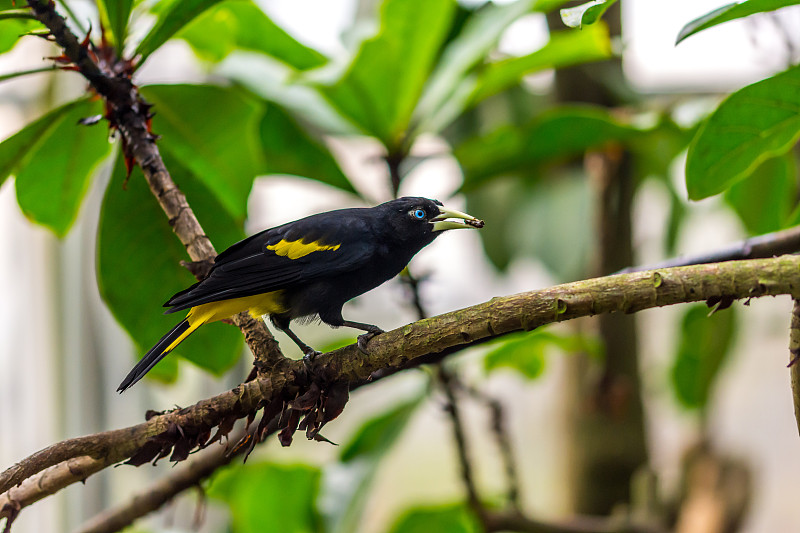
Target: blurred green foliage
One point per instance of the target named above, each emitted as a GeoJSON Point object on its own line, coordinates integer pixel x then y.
{"type": "Point", "coordinates": [704, 346]}
{"type": "Point", "coordinates": [525, 353]}
{"type": "Point", "coordinates": [446, 75]}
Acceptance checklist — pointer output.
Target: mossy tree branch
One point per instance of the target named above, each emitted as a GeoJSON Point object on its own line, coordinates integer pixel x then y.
{"type": "Point", "coordinates": [423, 342]}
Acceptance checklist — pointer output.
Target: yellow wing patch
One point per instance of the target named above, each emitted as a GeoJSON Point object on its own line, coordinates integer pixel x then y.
{"type": "Point", "coordinates": [299, 248]}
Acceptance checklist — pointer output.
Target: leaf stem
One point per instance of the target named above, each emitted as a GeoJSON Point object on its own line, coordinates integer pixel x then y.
{"type": "Point", "coordinates": [12, 75]}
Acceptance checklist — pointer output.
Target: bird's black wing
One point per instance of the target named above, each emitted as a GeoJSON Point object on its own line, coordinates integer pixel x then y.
{"type": "Point", "coordinates": [281, 258]}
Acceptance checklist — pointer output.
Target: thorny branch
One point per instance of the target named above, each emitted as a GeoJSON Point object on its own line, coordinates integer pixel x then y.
{"type": "Point", "coordinates": [129, 113]}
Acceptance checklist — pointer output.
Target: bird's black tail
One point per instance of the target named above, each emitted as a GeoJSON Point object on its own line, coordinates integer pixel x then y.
{"type": "Point", "coordinates": [157, 353]}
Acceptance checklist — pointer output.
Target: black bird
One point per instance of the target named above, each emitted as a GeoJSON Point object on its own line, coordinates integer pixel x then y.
{"type": "Point", "coordinates": [309, 267]}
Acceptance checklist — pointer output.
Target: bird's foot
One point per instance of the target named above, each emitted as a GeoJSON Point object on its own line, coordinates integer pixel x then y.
{"type": "Point", "coordinates": [308, 358]}
{"type": "Point", "coordinates": [365, 338]}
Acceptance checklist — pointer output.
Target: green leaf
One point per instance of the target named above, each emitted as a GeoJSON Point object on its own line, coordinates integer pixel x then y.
{"type": "Point", "coordinates": [704, 347]}
{"type": "Point", "coordinates": [12, 29]}
{"type": "Point", "coordinates": [54, 174]}
{"type": "Point", "coordinates": [172, 16]}
{"type": "Point", "coordinates": [267, 497]}
{"type": "Point", "coordinates": [753, 124]}
{"type": "Point", "coordinates": [525, 352]}
{"type": "Point", "coordinates": [443, 97]}
{"type": "Point", "coordinates": [765, 199]}
{"type": "Point", "coordinates": [554, 136]}
{"type": "Point", "coordinates": [546, 6]}
{"type": "Point", "coordinates": [449, 518]}
{"type": "Point", "coordinates": [564, 49]}
{"type": "Point", "coordinates": [288, 149]}
{"type": "Point", "coordinates": [731, 12]}
{"type": "Point", "coordinates": [585, 14]}
{"type": "Point", "coordinates": [138, 265]}
{"type": "Point", "coordinates": [241, 25]}
{"type": "Point", "coordinates": [214, 132]}
{"type": "Point", "coordinates": [117, 13]}
{"type": "Point", "coordinates": [376, 436]}
{"type": "Point", "coordinates": [657, 150]}
{"type": "Point", "coordinates": [19, 73]}
{"type": "Point", "coordinates": [360, 458]}
{"type": "Point", "coordinates": [497, 200]}
{"type": "Point", "coordinates": [16, 147]}
{"type": "Point", "coordinates": [382, 85]}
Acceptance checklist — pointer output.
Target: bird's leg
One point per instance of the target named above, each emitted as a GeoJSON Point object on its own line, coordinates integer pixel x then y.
{"type": "Point", "coordinates": [309, 353]}
{"type": "Point", "coordinates": [371, 331]}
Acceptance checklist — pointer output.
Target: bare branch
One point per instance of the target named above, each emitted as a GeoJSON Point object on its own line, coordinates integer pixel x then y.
{"type": "Point", "coordinates": [512, 521]}
{"type": "Point", "coordinates": [162, 491]}
{"type": "Point", "coordinates": [794, 356]}
{"type": "Point", "coordinates": [500, 431]}
{"type": "Point", "coordinates": [446, 380]}
{"type": "Point", "coordinates": [769, 245]}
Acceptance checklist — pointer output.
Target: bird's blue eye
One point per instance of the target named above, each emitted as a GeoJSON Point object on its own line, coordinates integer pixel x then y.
{"type": "Point", "coordinates": [419, 213]}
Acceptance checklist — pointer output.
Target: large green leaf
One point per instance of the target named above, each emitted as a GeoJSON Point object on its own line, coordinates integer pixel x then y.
{"type": "Point", "coordinates": [498, 200]}
{"type": "Point", "coordinates": [444, 96]}
{"type": "Point", "coordinates": [380, 88]}
{"type": "Point", "coordinates": [116, 13]}
{"type": "Point", "coordinates": [11, 27]}
{"type": "Point", "coordinates": [266, 497]}
{"type": "Point", "coordinates": [585, 14]}
{"type": "Point", "coordinates": [525, 353]}
{"type": "Point", "coordinates": [214, 132]}
{"type": "Point", "coordinates": [564, 49]}
{"type": "Point", "coordinates": [555, 135]}
{"type": "Point", "coordinates": [753, 124]}
{"type": "Point", "coordinates": [290, 150]}
{"type": "Point", "coordinates": [54, 174]}
{"type": "Point", "coordinates": [449, 518]}
{"type": "Point", "coordinates": [546, 6]}
{"type": "Point", "coordinates": [704, 346]}
{"type": "Point", "coordinates": [731, 12]}
{"type": "Point", "coordinates": [359, 460]}
{"type": "Point", "coordinates": [240, 24]}
{"type": "Point", "coordinates": [765, 199]}
{"type": "Point", "coordinates": [138, 266]}
{"type": "Point", "coordinates": [172, 16]}
{"type": "Point", "coordinates": [16, 147]}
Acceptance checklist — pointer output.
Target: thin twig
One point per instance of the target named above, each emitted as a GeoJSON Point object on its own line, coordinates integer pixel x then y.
{"type": "Point", "coordinates": [189, 475]}
{"type": "Point", "coordinates": [446, 380]}
{"type": "Point", "coordinates": [414, 284]}
{"type": "Point", "coordinates": [501, 435]}
{"type": "Point", "coordinates": [769, 245]}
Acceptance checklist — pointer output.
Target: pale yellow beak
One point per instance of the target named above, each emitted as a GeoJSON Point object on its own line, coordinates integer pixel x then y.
{"type": "Point", "coordinates": [440, 222]}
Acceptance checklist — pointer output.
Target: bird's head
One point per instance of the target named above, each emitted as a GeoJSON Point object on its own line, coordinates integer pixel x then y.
{"type": "Point", "coordinates": [421, 220]}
